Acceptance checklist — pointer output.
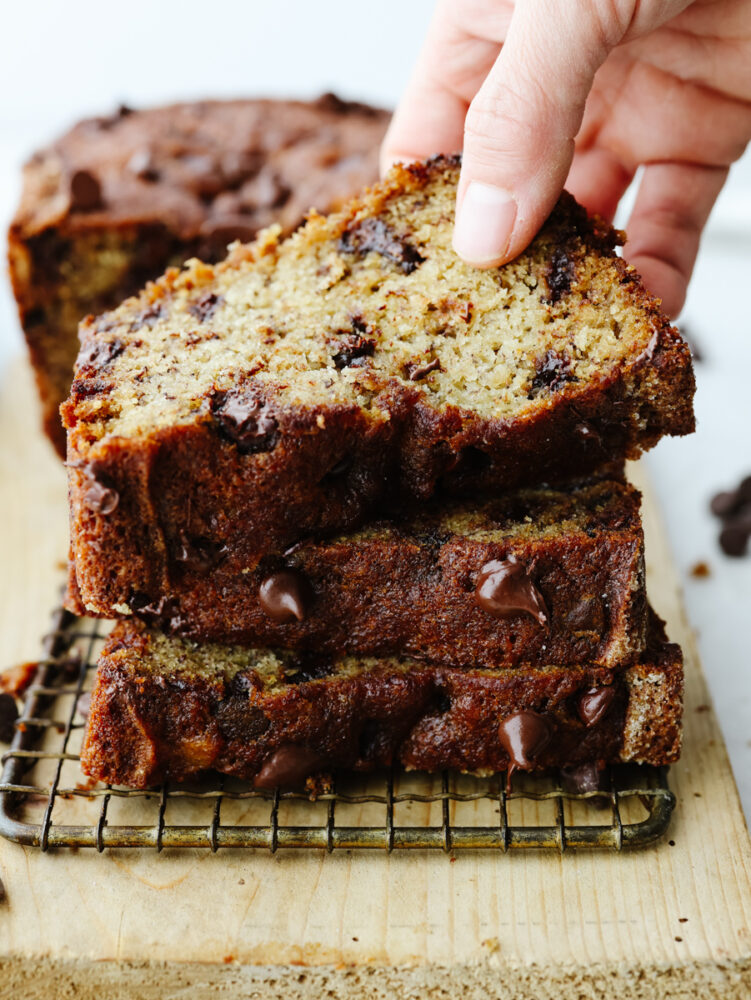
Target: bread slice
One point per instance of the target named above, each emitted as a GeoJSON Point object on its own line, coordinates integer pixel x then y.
{"type": "Point", "coordinates": [300, 386]}
{"type": "Point", "coordinates": [167, 708]}
{"type": "Point", "coordinates": [537, 576]}
{"type": "Point", "coordinates": [117, 199]}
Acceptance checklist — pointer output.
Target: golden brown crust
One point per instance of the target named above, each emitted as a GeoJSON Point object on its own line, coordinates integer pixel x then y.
{"type": "Point", "coordinates": [174, 182]}
{"type": "Point", "coordinates": [408, 586]}
{"type": "Point", "coordinates": [161, 710]}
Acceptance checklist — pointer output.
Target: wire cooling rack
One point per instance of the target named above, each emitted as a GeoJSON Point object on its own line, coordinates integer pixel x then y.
{"type": "Point", "coordinates": [46, 802]}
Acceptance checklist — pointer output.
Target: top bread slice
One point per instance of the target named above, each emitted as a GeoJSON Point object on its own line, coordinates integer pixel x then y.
{"type": "Point", "coordinates": [303, 384]}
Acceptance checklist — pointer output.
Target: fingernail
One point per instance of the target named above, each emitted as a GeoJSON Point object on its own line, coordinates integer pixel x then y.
{"type": "Point", "coordinates": [484, 223]}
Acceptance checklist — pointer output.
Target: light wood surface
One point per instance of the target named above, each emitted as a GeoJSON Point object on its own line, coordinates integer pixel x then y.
{"type": "Point", "coordinates": [671, 921]}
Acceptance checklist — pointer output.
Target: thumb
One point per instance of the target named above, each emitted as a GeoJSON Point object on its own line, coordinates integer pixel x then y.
{"type": "Point", "coordinates": [520, 128]}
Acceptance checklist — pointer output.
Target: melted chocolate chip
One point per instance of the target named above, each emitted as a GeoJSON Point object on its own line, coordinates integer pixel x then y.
{"type": "Point", "coordinates": [286, 596]}
{"type": "Point", "coordinates": [85, 191]}
{"type": "Point", "coordinates": [353, 349]}
{"type": "Point", "coordinates": [373, 235]}
{"type": "Point", "coordinates": [237, 717]}
{"type": "Point", "coordinates": [553, 373]}
{"type": "Point", "coordinates": [307, 667]}
{"type": "Point", "coordinates": [8, 716]}
{"type": "Point", "coordinates": [148, 316]}
{"type": "Point", "coordinates": [594, 704]}
{"type": "Point", "coordinates": [560, 274]}
{"type": "Point", "coordinates": [442, 703]}
{"type": "Point", "coordinates": [99, 353]}
{"type": "Point", "coordinates": [504, 588]}
{"type": "Point", "coordinates": [524, 736]}
{"type": "Point", "coordinates": [205, 306]}
{"type": "Point", "coordinates": [288, 766]}
{"type": "Point", "coordinates": [416, 372]}
{"type": "Point", "coordinates": [99, 498]}
{"type": "Point", "coordinates": [245, 419]}
{"type": "Point", "coordinates": [200, 554]}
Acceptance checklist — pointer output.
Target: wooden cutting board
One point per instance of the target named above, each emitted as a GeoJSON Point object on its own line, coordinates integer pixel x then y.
{"type": "Point", "coordinates": [671, 921]}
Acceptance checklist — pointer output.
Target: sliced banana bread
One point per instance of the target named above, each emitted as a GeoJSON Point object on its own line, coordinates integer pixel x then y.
{"type": "Point", "coordinates": [167, 708]}
{"type": "Point", "coordinates": [116, 200]}
{"type": "Point", "coordinates": [537, 576]}
{"type": "Point", "coordinates": [299, 386]}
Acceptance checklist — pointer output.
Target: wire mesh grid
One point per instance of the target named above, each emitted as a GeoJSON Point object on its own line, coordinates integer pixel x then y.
{"type": "Point", "coordinates": [46, 802]}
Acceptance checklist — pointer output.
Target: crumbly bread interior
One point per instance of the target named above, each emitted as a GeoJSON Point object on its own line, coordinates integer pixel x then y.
{"type": "Point", "coordinates": [371, 297]}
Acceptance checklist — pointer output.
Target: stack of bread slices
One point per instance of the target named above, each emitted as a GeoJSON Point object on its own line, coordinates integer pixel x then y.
{"type": "Point", "coordinates": [355, 503]}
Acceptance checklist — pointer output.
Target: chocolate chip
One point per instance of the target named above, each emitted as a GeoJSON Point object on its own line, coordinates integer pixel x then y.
{"type": "Point", "coordinates": [560, 274]}
{"type": "Point", "coordinates": [286, 596]}
{"type": "Point", "coordinates": [205, 306]}
{"type": "Point", "coordinates": [725, 503]}
{"type": "Point", "coordinates": [734, 540]}
{"type": "Point", "coordinates": [288, 767]}
{"type": "Point", "coordinates": [553, 373]}
{"type": "Point", "coordinates": [99, 353]}
{"type": "Point", "coordinates": [524, 736]}
{"type": "Point", "coordinates": [8, 716]}
{"type": "Point", "coordinates": [374, 235]}
{"type": "Point", "coordinates": [99, 498]}
{"type": "Point", "coordinates": [148, 316]}
{"type": "Point", "coordinates": [353, 348]}
{"type": "Point", "coordinates": [245, 419]}
{"type": "Point", "coordinates": [85, 191]}
{"type": "Point", "coordinates": [200, 554]}
{"type": "Point", "coordinates": [415, 372]}
{"type": "Point", "coordinates": [143, 166]}
{"type": "Point", "coordinates": [442, 702]}
{"type": "Point", "coordinates": [504, 588]}
{"type": "Point", "coordinates": [595, 703]}
{"type": "Point", "coordinates": [307, 667]}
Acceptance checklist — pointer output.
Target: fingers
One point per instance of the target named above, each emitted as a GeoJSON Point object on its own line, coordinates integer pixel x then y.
{"type": "Point", "coordinates": [672, 207]}
{"type": "Point", "coordinates": [598, 180]}
{"type": "Point", "coordinates": [448, 72]}
{"type": "Point", "coordinates": [520, 129]}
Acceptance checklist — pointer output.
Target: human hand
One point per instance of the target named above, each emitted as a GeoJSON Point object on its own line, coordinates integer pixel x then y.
{"type": "Point", "coordinates": [582, 93]}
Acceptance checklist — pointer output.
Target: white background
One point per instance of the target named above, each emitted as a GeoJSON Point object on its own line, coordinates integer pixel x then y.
{"type": "Point", "coordinates": [61, 61]}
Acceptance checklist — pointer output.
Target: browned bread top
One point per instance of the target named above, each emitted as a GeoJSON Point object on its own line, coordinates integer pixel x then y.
{"type": "Point", "coordinates": [219, 170]}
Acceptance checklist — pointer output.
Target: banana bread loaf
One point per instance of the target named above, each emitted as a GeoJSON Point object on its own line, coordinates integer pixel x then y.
{"type": "Point", "coordinates": [117, 200]}
{"type": "Point", "coordinates": [167, 708]}
{"type": "Point", "coordinates": [301, 386]}
{"type": "Point", "coordinates": [537, 576]}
